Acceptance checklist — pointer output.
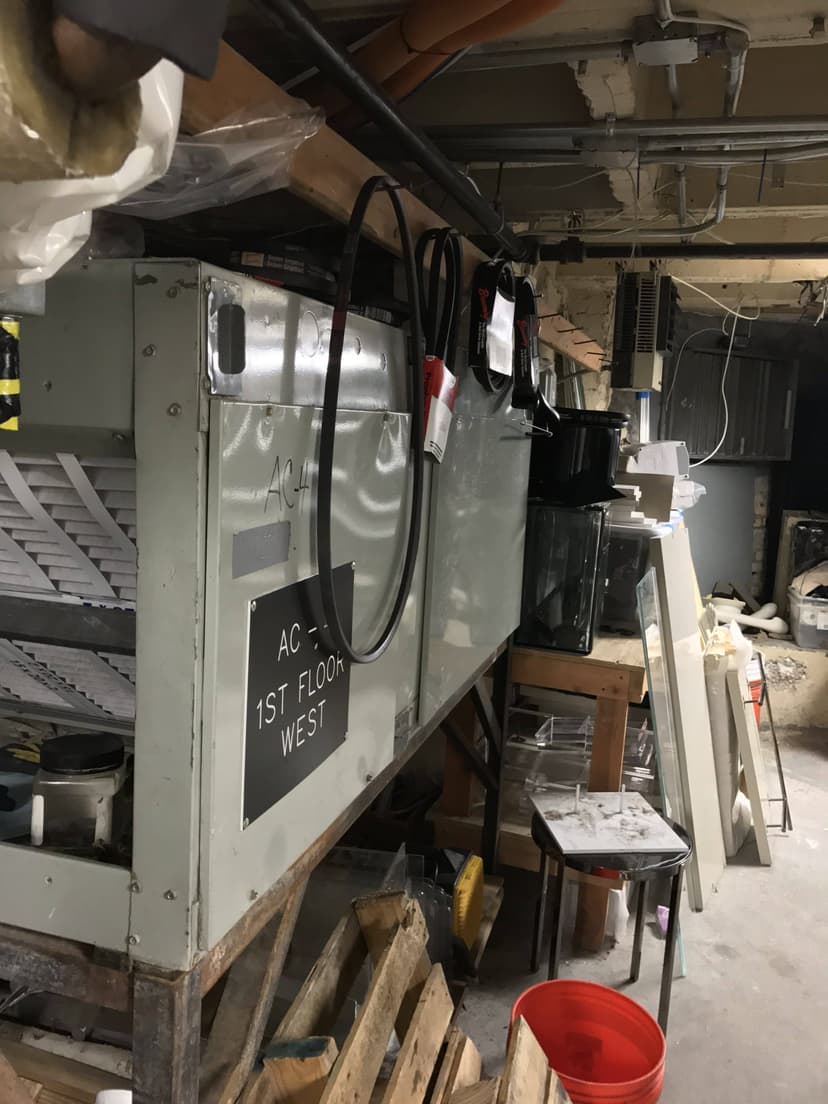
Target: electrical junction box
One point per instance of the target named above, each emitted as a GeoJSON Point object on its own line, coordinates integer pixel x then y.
{"type": "Point", "coordinates": [158, 580]}
{"type": "Point", "coordinates": [676, 44]}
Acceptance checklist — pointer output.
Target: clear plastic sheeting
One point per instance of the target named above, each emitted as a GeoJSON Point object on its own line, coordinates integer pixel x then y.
{"type": "Point", "coordinates": [249, 153]}
{"type": "Point", "coordinates": [554, 753]}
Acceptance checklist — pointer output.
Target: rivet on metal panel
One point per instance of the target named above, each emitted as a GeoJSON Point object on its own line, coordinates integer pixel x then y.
{"type": "Point", "coordinates": [47, 385]}
{"type": "Point", "coordinates": [134, 886]}
{"type": "Point", "coordinates": [48, 879]}
{"type": "Point", "coordinates": [172, 292]}
{"type": "Point", "coordinates": [170, 895]}
{"type": "Point", "coordinates": [118, 437]}
{"type": "Point", "coordinates": [149, 350]}
{"type": "Point", "coordinates": [253, 606]}
{"type": "Point", "coordinates": [174, 409]}
{"type": "Point", "coordinates": [246, 822]}
{"type": "Point", "coordinates": [133, 940]}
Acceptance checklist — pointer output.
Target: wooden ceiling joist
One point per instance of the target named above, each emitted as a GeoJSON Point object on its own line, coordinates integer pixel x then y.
{"type": "Point", "coordinates": [328, 172]}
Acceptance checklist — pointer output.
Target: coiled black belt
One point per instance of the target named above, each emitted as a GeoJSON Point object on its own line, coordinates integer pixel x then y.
{"type": "Point", "coordinates": [335, 632]}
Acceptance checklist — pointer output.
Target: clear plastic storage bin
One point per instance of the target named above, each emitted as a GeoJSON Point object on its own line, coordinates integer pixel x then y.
{"type": "Point", "coordinates": [809, 620]}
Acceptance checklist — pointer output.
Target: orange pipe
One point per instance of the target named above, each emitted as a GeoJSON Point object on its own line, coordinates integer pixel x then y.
{"type": "Point", "coordinates": [517, 14]}
{"type": "Point", "coordinates": [435, 29]}
{"type": "Point", "coordinates": [421, 26]}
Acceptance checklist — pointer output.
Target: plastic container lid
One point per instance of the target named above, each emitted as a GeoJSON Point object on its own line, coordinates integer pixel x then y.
{"type": "Point", "coordinates": [82, 753]}
{"type": "Point", "coordinates": [606, 419]}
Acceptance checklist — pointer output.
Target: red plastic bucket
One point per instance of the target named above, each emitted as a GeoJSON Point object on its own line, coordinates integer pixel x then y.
{"type": "Point", "coordinates": [605, 1048]}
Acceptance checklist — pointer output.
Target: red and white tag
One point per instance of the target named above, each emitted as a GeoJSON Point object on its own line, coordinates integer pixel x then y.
{"type": "Point", "coordinates": [440, 395]}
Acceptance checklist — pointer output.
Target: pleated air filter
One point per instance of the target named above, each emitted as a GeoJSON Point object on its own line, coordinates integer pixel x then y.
{"type": "Point", "coordinates": [67, 536]}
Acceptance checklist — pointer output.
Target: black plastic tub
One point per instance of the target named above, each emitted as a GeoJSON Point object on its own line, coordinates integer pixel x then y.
{"type": "Point", "coordinates": [576, 462]}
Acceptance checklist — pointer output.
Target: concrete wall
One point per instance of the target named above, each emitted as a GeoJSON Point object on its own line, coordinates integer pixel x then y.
{"type": "Point", "coordinates": [798, 681]}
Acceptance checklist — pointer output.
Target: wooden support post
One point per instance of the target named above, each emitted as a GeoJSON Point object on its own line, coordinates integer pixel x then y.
{"type": "Point", "coordinates": [240, 1022]}
{"type": "Point", "coordinates": [166, 1037]}
{"type": "Point", "coordinates": [605, 773]}
{"type": "Point", "coordinates": [458, 777]}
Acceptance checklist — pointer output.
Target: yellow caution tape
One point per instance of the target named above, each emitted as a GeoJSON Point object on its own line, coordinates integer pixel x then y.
{"type": "Point", "coordinates": [9, 386]}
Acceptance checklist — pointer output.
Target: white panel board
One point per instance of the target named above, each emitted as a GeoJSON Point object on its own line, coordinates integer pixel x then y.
{"type": "Point", "coordinates": [671, 558]}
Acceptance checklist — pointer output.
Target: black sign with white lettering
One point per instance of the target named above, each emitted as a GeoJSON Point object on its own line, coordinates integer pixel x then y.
{"type": "Point", "coordinates": [297, 691]}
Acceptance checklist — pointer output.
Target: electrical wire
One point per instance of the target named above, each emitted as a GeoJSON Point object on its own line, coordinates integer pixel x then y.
{"type": "Point", "coordinates": [700, 291]}
{"type": "Point", "coordinates": [725, 371]}
{"type": "Point", "coordinates": [665, 405]}
{"type": "Point", "coordinates": [711, 20]}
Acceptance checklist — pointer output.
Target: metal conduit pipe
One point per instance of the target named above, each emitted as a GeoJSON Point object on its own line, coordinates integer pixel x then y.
{"type": "Point", "coordinates": [546, 133]}
{"type": "Point", "coordinates": [478, 60]}
{"type": "Point", "coordinates": [338, 65]}
{"type": "Point", "coordinates": [574, 252]}
{"type": "Point", "coordinates": [727, 158]}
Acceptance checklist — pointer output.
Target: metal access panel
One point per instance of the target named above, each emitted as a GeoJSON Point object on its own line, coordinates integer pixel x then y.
{"type": "Point", "coordinates": [161, 494]}
{"type": "Point", "coordinates": [476, 540]}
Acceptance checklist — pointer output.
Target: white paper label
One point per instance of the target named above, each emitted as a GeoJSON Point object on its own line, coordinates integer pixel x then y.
{"type": "Point", "coordinates": [437, 430]}
{"type": "Point", "coordinates": [822, 621]}
{"type": "Point", "coordinates": [501, 336]}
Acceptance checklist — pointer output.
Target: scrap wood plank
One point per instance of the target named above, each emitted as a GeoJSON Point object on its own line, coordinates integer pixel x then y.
{"type": "Point", "coordinates": [526, 1073]}
{"type": "Point", "coordinates": [484, 1092]}
{"type": "Point", "coordinates": [359, 1062]}
{"type": "Point", "coordinates": [379, 916]}
{"type": "Point", "coordinates": [421, 1045]}
{"type": "Point", "coordinates": [11, 1087]}
{"type": "Point", "coordinates": [240, 1021]}
{"type": "Point", "coordinates": [297, 1070]}
{"type": "Point", "coordinates": [317, 1004]}
{"type": "Point", "coordinates": [461, 1066]}
{"type": "Point", "coordinates": [328, 172]}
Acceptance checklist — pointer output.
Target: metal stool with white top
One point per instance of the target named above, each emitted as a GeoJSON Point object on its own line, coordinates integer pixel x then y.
{"type": "Point", "coordinates": [617, 832]}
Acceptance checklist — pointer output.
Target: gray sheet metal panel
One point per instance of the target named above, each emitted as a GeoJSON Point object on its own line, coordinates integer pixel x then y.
{"type": "Point", "coordinates": [475, 558]}
{"type": "Point", "coordinates": [287, 338]}
{"type": "Point", "coordinates": [72, 898]}
{"type": "Point", "coordinates": [171, 445]}
{"type": "Point", "coordinates": [77, 359]}
{"type": "Point", "coordinates": [371, 479]}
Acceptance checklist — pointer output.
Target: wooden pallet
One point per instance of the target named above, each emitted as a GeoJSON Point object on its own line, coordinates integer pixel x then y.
{"type": "Point", "coordinates": [436, 1062]}
{"type": "Point", "coordinates": [408, 997]}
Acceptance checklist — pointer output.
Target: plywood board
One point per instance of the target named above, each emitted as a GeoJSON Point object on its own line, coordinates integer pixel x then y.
{"type": "Point", "coordinates": [684, 663]}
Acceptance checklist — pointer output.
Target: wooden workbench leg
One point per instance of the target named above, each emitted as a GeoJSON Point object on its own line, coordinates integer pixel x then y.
{"type": "Point", "coordinates": [166, 1037]}
{"type": "Point", "coordinates": [458, 777]}
{"type": "Point", "coordinates": [605, 773]}
{"type": "Point", "coordinates": [498, 722]}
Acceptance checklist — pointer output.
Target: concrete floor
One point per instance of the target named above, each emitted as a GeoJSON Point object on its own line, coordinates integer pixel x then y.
{"type": "Point", "coordinates": [748, 1022]}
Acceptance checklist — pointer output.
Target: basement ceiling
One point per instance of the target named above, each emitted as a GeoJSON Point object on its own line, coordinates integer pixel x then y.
{"type": "Point", "coordinates": [521, 80]}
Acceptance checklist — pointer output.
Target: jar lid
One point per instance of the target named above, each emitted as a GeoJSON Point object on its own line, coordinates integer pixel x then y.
{"type": "Point", "coordinates": [82, 753]}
